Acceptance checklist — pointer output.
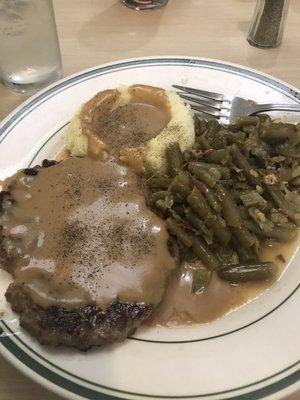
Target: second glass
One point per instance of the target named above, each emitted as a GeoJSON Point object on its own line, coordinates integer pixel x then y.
{"type": "Point", "coordinates": [29, 49]}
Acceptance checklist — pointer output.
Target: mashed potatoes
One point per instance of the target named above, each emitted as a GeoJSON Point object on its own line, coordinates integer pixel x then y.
{"type": "Point", "coordinates": [179, 129]}
{"type": "Point", "coordinates": [135, 123]}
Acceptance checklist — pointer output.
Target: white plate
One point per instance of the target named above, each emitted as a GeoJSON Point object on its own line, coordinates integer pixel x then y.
{"type": "Point", "coordinates": [252, 353]}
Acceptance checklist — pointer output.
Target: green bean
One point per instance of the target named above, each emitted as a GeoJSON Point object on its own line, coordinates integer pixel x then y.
{"type": "Point", "coordinates": [204, 145]}
{"type": "Point", "coordinates": [219, 228]}
{"type": "Point", "coordinates": [177, 186]}
{"type": "Point", "coordinates": [198, 203]}
{"type": "Point", "coordinates": [227, 183]}
{"type": "Point", "coordinates": [177, 199]}
{"type": "Point", "coordinates": [283, 234]}
{"type": "Point", "coordinates": [287, 150]}
{"type": "Point", "coordinates": [161, 205]}
{"type": "Point", "coordinates": [264, 118]}
{"type": "Point", "coordinates": [278, 233]}
{"type": "Point", "coordinates": [287, 174]}
{"type": "Point", "coordinates": [240, 122]}
{"type": "Point", "coordinates": [233, 128]}
{"type": "Point", "coordinates": [260, 218]}
{"type": "Point", "coordinates": [200, 125]}
{"type": "Point", "coordinates": [261, 152]}
{"type": "Point", "coordinates": [236, 195]}
{"type": "Point", "coordinates": [188, 256]}
{"type": "Point", "coordinates": [184, 178]}
{"type": "Point", "coordinates": [191, 155]}
{"type": "Point", "coordinates": [277, 132]}
{"type": "Point", "coordinates": [268, 207]}
{"type": "Point", "coordinates": [214, 169]}
{"type": "Point", "coordinates": [218, 156]}
{"type": "Point", "coordinates": [254, 228]}
{"type": "Point", "coordinates": [246, 255]}
{"type": "Point", "coordinates": [212, 199]}
{"type": "Point", "coordinates": [281, 202]}
{"type": "Point", "coordinates": [236, 137]}
{"type": "Point", "coordinates": [293, 198]}
{"type": "Point", "coordinates": [174, 158]}
{"type": "Point", "coordinates": [175, 216]}
{"type": "Point", "coordinates": [294, 139]}
{"type": "Point", "coordinates": [278, 217]}
{"type": "Point", "coordinates": [244, 237]}
{"type": "Point", "coordinates": [287, 225]}
{"type": "Point", "coordinates": [217, 203]}
{"type": "Point", "coordinates": [153, 197]}
{"type": "Point", "coordinates": [213, 126]}
{"type": "Point", "coordinates": [219, 141]}
{"type": "Point", "coordinates": [197, 222]}
{"type": "Point", "coordinates": [243, 212]}
{"type": "Point", "coordinates": [295, 181]}
{"type": "Point", "coordinates": [179, 209]}
{"type": "Point", "coordinates": [205, 176]}
{"type": "Point", "coordinates": [253, 198]}
{"type": "Point", "coordinates": [159, 182]}
{"type": "Point", "coordinates": [227, 255]}
{"type": "Point", "coordinates": [229, 208]}
{"type": "Point", "coordinates": [205, 255]}
{"type": "Point", "coordinates": [242, 186]}
{"type": "Point", "coordinates": [176, 230]}
{"type": "Point", "coordinates": [248, 272]}
{"type": "Point", "coordinates": [201, 280]}
{"type": "Point", "coordinates": [242, 163]}
{"type": "Point", "coordinates": [214, 222]}
{"type": "Point", "coordinates": [250, 129]}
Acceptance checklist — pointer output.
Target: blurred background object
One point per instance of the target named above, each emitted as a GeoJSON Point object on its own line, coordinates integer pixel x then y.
{"type": "Point", "coordinates": [144, 4]}
{"type": "Point", "coordinates": [268, 23]}
{"type": "Point", "coordinates": [29, 49]}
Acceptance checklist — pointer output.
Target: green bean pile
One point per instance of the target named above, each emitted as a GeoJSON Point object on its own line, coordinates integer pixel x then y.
{"type": "Point", "coordinates": [235, 191]}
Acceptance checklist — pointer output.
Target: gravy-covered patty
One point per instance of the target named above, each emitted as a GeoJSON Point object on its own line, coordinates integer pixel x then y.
{"type": "Point", "coordinates": [79, 234]}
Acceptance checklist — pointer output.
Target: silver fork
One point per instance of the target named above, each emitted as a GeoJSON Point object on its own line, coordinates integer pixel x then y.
{"type": "Point", "coordinates": [226, 107]}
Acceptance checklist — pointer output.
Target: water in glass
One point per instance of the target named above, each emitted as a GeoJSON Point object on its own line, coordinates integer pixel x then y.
{"type": "Point", "coordinates": [29, 49]}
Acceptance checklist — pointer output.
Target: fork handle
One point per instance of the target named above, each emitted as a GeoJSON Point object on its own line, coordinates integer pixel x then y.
{"type": "Point", "coordinates": [275, 107]}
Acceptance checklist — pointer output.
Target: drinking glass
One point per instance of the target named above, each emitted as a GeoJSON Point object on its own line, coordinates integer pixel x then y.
{"type": "Point", "coordinates": [144, 4]}
{"type": "Point", "coordinates": [29, 49]}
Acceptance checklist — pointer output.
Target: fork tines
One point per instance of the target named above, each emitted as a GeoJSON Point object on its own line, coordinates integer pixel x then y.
{"type": "Point", "coordinates": [210, 103]}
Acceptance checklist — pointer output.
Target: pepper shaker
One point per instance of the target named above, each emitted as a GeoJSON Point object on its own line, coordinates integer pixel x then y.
{"type": "Point", "coordinates": [267, 25]}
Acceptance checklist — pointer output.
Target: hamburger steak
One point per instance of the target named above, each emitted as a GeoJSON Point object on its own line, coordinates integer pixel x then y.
{"type": "Point", "coordinates": [89, 260]}
{"type": "Point", "coordinates": [81, 328]}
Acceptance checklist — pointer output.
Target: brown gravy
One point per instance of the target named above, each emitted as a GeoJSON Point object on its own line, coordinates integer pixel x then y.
{"type": "Point", "coordinates": [112, 123]}
{"type": "Point", "coordinates": [131, 125]}
{"type": "Point", "coordinates": [80, 232]}
{"type": "Point", "coordinates": [181, 306]}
